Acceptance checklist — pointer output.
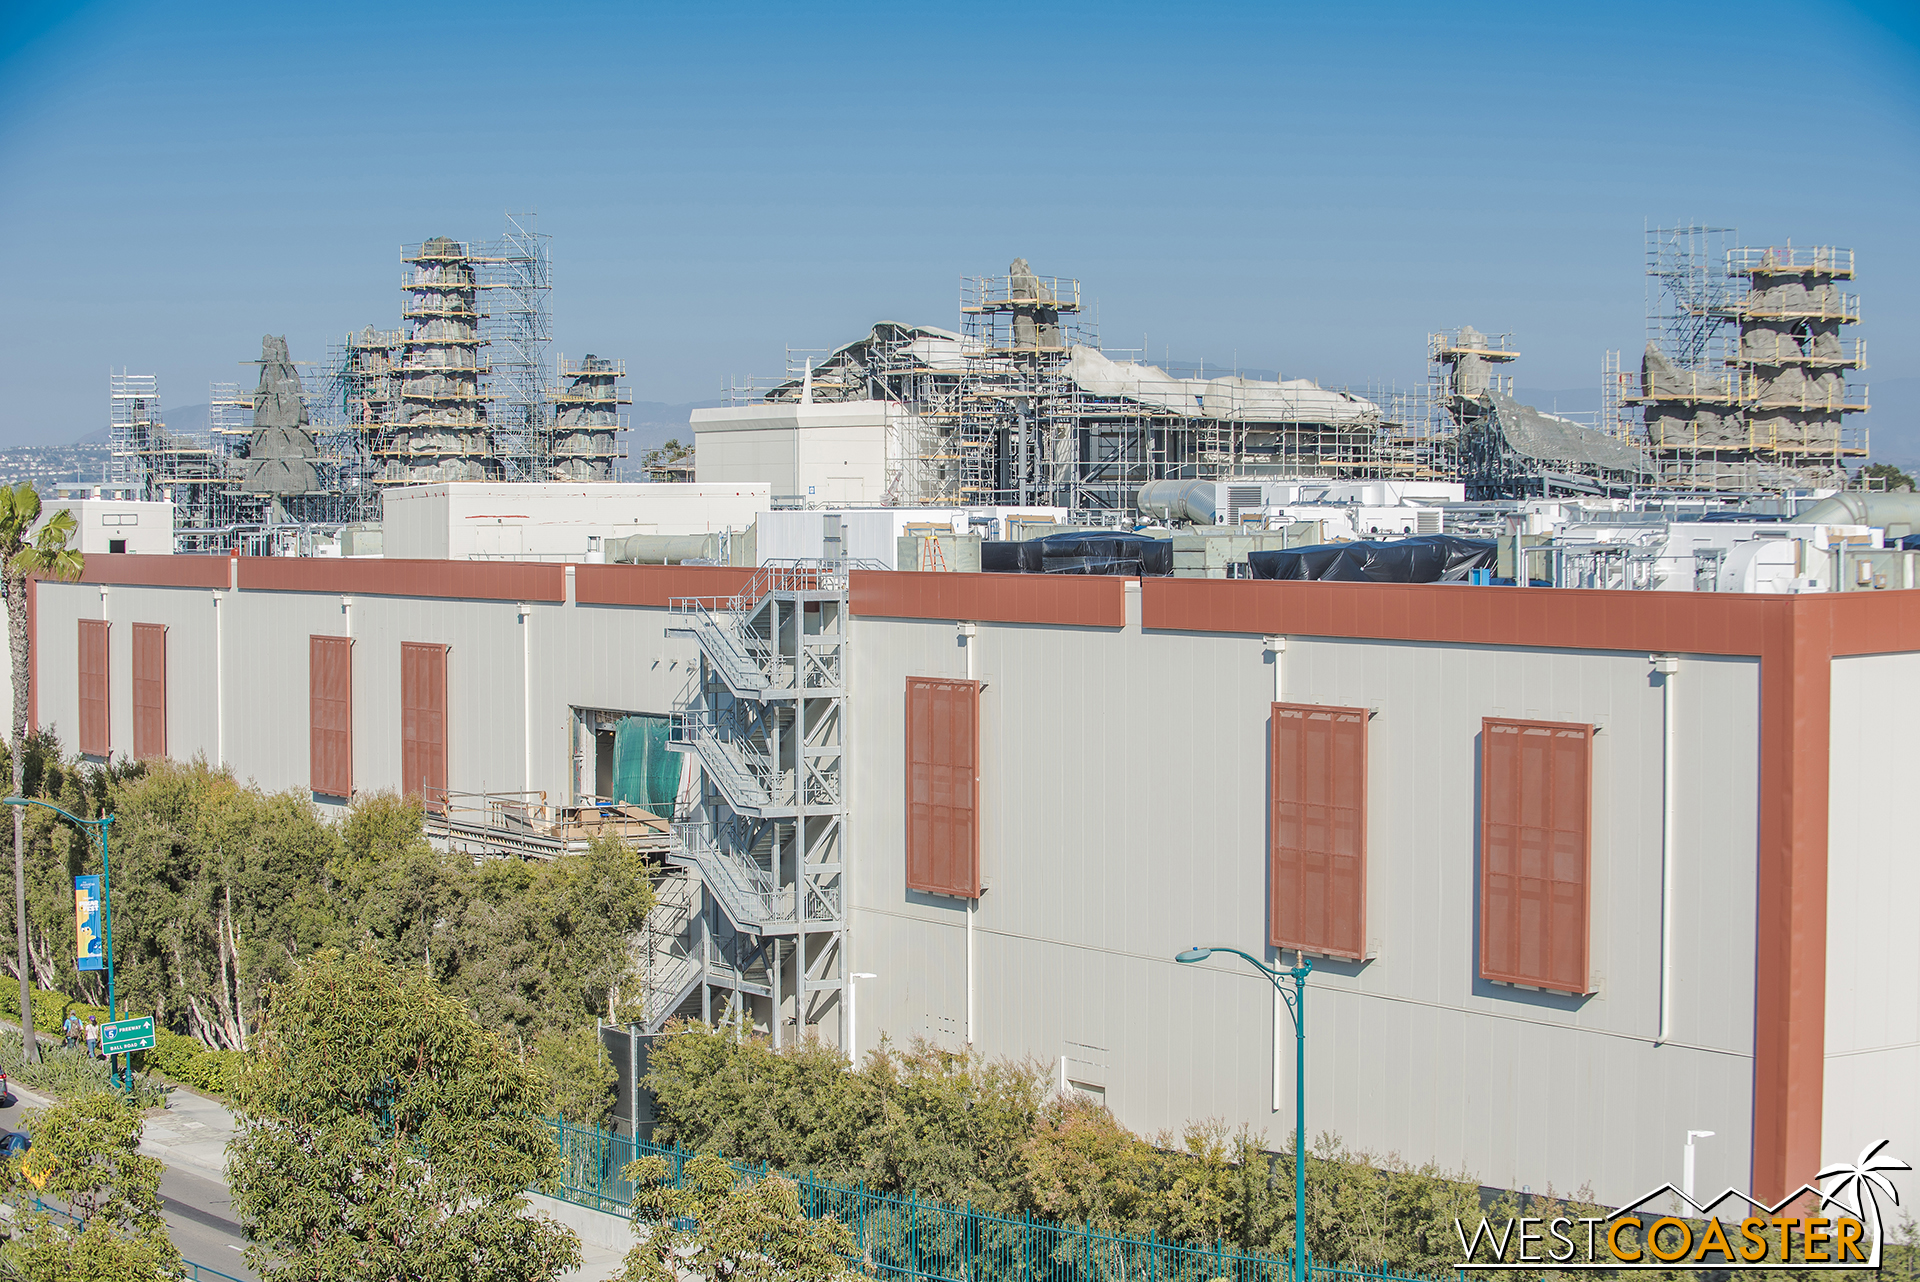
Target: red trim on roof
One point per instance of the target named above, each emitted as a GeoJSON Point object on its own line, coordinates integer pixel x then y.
{"type": "Point", "coordinates": [654, 584]}
{"type": "Point", "coordinates": [136, 570]}
{"type": "Point", "coordinates": [382, 576]}
{"type": "Point", "coordinates": [1070, 600]}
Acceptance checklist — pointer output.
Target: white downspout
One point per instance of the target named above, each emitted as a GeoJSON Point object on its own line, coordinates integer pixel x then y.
{"type": "Point", "coordinates": [526, 695]}
{"type": "Point", "coordinates": [1667, 665]}
{"type": "Point", "coordinates": [1277, 647]}
{"type": "Point", "coordinates": [219, 679]}
{"type": "Point", "coordinates": [967, 633]}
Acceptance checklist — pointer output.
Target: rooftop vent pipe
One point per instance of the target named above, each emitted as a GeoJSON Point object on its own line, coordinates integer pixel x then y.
{"type": "Point", "coordinates": [1900, 507]}
{"type": "Point", "coordinates": [1171, 501]}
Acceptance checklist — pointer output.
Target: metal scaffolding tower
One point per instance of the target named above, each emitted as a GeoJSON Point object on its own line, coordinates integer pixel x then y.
{"type": "Point", "coordinates": [766, 836]}
{"type": "Point", "coordinates": [1744, 380]}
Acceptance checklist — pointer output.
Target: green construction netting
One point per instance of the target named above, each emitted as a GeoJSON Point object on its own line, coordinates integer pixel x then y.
{"type": "Point", "coordinates": [644, 772]}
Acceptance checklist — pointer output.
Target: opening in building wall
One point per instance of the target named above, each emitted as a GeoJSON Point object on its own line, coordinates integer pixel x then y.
{"type": "Point", "coordinates": [621, 758]}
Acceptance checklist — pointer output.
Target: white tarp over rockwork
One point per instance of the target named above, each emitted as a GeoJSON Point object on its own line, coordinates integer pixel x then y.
{"type": "Point", "coordinates": [1243, 400]}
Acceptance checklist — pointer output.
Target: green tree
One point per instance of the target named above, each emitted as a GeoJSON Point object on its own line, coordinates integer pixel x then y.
{"type": "Point", "coordinates": [1889, 476]}
{"type": "Point", "coordinates": [666, 461]}
{"type": "Point", "coordinates": [575, 1076]}
{"type": "Point", "coordinates": [86, 1154]}
{"type": "Point", "coordinates": [383, 1134]}
{"type": "Point", "coordinates": [47, 554]}
{"type": "Point", "coordinates": [719, 1226]}
{"type": "Point", "coordinates": [1081, 1165]}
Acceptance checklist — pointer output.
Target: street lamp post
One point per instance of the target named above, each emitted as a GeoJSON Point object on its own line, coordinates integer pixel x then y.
{"type": "Point", "coordinates": [1296, 1007]}
{"type": "Point", "coordinates": [106, 910]}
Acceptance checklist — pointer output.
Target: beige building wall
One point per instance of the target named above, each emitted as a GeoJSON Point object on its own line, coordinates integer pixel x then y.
{"type": "Point", "coordinates": [1123, 791]}
{"type": "Point", "coordinates": [1873, 911]}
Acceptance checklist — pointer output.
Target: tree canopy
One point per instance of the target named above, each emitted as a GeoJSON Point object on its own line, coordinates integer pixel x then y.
{"type": "Point", "coordinates": [722, 1227]}
{"type": "Point", "coordinates": [384, 1134]}
{"type": "Point", "coordinates": [220, 889]}
{"type": "Point", "coordinates": [86, 1156]}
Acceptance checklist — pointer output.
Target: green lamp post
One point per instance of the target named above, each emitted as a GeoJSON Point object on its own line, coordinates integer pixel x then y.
{"type": "Point", "coordinates": [1296, 1001]}
{"type": "Point", "coordinates": [106, 911]}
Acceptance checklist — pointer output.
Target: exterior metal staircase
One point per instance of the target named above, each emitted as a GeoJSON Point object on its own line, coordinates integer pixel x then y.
{"type": "Point", "coordinates": [766, 835]}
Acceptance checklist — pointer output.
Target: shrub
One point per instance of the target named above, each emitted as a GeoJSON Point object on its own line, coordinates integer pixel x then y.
{"type": "Point", "coordinates": [182, 1059]}
{"type": "Point", "coordinates": [69, 1076]}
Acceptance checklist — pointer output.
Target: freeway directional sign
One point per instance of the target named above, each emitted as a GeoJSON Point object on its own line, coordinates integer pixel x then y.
{"type": "Point", "coordinates": [127, 1035]}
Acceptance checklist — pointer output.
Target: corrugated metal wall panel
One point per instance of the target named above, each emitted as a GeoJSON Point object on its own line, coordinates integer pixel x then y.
{"type": "Point", "coordinates": [330, 715]}
{"type": "Point", "coordinates": [149, 691]}
{"type": "Point", "coordinates": [92, 664]}
{"type": "Point", "coordinates": [1535, 834]}
{"type": "Point", "coordinates": [1318, 796]}
{"type": "Point", "coordinates": [423, 720]}
{"type": "Point", "coordinates": [943, 787]}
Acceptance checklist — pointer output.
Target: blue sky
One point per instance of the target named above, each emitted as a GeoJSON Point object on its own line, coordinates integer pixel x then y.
{"type": "Point", "coordinates": [1304, 188]}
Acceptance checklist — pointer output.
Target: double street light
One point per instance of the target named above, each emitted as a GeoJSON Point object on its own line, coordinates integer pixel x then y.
{"type": "Point", "coordinates": [1296, 1001]}
{"type": "Point", "coordinates": [100, 826]}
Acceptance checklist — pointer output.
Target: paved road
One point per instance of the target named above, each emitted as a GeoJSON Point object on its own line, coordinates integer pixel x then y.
{"type": "Point", "coordinates": [192, 1136]}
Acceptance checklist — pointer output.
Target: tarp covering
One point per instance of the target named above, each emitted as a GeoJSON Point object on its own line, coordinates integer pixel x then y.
{"type": "Point", "coordinates": [1429, 558]}
{"type": "Point", "coordinates": [1011, 557]}
{"type": "Point", "coordinates": [1080, 552]}
{"type": "Point", "coordinates": [1242, 400]}
{"type": "Point", "coordinates": [644, 772]}
{"type": "Point", "coordinates": [1104, 552]}
{"type": "Point", "coordinates": [1548, 438]}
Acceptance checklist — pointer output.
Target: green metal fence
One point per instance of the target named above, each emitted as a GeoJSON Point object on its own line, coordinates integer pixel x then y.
{"type": "Point", "coordinates": [904, 1237]}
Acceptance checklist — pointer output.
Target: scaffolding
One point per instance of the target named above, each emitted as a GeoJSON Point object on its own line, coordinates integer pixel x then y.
{"type": "Point", "coordinates": [584, 440]}
{"type": "Point", "coordinates": [1022, 406]}
{"type": "Point", "coordinates": [1744, 383]}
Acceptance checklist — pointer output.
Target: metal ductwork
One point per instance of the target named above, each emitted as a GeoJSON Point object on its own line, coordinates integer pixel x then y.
{"type": "Point", "coordinates": [1887, 511]}
{"type": "Point", "coordinates": [1170, 501]}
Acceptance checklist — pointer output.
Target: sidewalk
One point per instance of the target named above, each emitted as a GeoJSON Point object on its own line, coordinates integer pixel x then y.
{"type": "Point", "coordinates": [192, 1134]}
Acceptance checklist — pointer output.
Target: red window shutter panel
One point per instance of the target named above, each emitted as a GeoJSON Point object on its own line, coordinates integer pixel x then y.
{"type": "Point", "coordinates": [943, 787]}
{"type": "Point", "coordinates": [1536, 799]}
{"type": "Point", "coordinates": [92, 666]}
{"type": "Point", "coordinates": [1317, 870]}
{"type": "Point", "coordinates": [423, 721]}
{"type": "Point", "coordinates": [149, 691]}
{"type": "Point", "coordinates": [330, 715]}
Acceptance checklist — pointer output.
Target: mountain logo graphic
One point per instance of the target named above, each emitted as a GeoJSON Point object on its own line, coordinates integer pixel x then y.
{"type": "Point", "coordinates": [1845, 1232]}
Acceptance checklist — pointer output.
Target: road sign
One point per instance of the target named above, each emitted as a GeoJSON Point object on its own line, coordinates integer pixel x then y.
{"type": "Point", "coordinates": [86, 923]}
{"type": "Point", "coordinates": [127, 1035]}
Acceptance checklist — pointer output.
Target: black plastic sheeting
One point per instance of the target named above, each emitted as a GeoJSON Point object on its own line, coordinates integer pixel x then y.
{"type": "Point", "coordinates": [1010, 558]}
{"type": "Point", "coordinates": [1906, 543]}
{"type": "Point", "coordinates": [1081, 552]}
{"type": "Point", "coordinates": [1428, 558]}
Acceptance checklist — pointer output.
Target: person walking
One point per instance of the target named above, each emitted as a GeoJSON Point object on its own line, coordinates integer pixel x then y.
{"type": "Point", "coordinates": [72, 1029]}
{"type": "Point", "coordinates": [93, 1037]}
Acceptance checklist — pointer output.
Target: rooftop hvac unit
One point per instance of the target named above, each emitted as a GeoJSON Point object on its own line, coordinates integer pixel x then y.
{"type": "Point", "coordinates": [1430, 521]}
{"type": "Point", "coordinates": [1241, 496]}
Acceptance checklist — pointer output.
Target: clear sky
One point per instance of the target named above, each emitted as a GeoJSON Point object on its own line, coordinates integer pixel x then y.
{"type": "Point", "coordinates": [1308, 188]}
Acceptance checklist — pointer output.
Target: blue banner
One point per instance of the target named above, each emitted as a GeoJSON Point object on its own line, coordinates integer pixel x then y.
{"type": "Point", "coordinates": [88, 951]}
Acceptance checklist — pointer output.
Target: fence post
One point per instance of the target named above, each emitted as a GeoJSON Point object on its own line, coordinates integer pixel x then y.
{"type": "Point", "coordinates": [966, 1244]}
{"type": "Point", "coordinates": [1026, 1246]}
{"type": "Point", "coordinates": [860, 1237]}
{"type": "Point", "coordinates": [913, 1234]}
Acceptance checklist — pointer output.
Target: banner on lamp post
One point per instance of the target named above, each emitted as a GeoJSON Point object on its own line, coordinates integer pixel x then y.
{"type": "Point", "coordinates": [88, 951]}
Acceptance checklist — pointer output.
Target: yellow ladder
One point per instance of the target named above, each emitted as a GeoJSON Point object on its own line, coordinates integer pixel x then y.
{"type": "Point", "coordinates": [931, 558]}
